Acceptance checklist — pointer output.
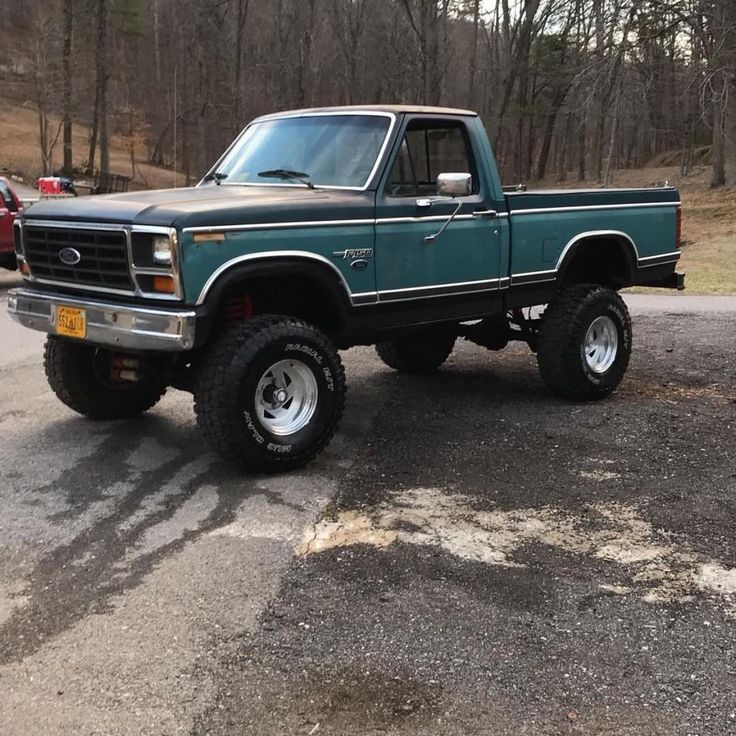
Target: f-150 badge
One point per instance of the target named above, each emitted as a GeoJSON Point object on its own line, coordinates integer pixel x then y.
{"type": "Point", "coordinates": [353, 253]}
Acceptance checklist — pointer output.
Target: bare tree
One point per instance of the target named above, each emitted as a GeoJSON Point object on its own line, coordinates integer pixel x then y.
{"type": "Point", "coordinates": [66, 63]}
{"type": "Point", "coordinates": [578, 87]}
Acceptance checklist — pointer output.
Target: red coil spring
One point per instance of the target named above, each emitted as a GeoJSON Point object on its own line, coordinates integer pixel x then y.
{"type": "Point", "coordinates": [238, 308]}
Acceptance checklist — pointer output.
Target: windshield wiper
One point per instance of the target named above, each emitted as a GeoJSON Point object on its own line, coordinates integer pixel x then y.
{"type": "Point", "coordinates": [216, 176]}
{"type": "Point", "coordinates": [288, 174]}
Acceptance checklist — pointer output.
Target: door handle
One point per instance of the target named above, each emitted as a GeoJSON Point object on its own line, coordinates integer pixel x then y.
{"type": "Point", "coordinates": [485, 213]}
{"type": "Point", "coordinates": [424, 202]}
{"type": "Point", "coordinates": [433, 238]}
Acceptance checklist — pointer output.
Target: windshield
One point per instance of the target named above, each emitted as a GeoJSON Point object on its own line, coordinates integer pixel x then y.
{"type": "Point", "coordinates": [323, 150]}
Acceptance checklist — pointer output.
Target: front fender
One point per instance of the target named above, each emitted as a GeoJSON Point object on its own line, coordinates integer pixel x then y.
{"type": "Point", "coordinates": [323, 279]}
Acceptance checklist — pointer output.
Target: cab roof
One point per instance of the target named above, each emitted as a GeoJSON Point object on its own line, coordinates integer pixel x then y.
{"type": "Point", "coordinates": [393, 109]}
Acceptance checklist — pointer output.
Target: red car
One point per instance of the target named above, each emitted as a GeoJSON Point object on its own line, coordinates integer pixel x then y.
{"type": "Point", "coordinates": [10, 208]}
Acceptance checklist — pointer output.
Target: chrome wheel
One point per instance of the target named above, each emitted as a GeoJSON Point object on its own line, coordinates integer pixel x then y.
{"type": "Point", "coordinates": [286, 397]}
{"type": "Point", "coordinates": [601, 344]}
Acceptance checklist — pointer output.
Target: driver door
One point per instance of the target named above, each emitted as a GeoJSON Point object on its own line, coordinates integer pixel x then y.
{"type": "Point", "coordinates": [465, 258]}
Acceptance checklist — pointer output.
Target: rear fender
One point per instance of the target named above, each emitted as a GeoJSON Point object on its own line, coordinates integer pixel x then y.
{"type": "Point", "coordinates": [605, 256]}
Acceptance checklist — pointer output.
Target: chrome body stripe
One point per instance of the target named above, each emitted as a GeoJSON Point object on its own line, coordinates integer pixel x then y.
{"type": "Point", "coordinates": [584, 190]}
{"type": "Point", "coordinates": [533, 277]}
{"type": "Point", "coordinates": [674, 256]}
{"type": "Point", "coordinates": [586, 207]}
{"type": "Point", "coordinates": [420, 219]}
{"type": "Point", "coordinates": [326, 223]}
{"type": "Point", "coordinates": [397, 220]}
{"type": "Point", "coordinates": [440, 286]}
{"type": "Point", "coordinates": [277, 225]}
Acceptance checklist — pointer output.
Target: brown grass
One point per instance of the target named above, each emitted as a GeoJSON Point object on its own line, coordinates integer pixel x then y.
{"type": "Point", "coordinates": [708, 226]}
{"type": "Point", "coordinates": [20, 153]}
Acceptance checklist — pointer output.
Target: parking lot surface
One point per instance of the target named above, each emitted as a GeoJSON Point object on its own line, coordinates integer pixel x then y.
{"type": "Point", "coordinates": [470, 556]}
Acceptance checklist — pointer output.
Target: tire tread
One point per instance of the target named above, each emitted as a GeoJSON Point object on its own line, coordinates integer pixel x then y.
{"type": "Point", "coordinates": [420, 353]}
{"type": "Point", "coordinates": [231, 352]}
{"type": "Point", "coordinates": [558, 347]}
{"type": "Point", "coordinates": [64, 365]}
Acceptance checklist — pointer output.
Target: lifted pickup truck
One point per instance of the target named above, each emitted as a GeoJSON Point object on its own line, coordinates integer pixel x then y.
{"type": "Point", "coordinates": [315, 231]}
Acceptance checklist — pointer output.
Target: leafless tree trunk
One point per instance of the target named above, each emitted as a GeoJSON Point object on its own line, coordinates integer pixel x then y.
{"type": "Point", "coordinates": [99, 113]}
{"type": "Point", "coordinates": [66, 63]}
{"type": "Point", "coordinates": [103, 72]}
{"type": "Point", "coordinates": [580, 87]}
{"type": "Point", "coordinates": [240, 23]}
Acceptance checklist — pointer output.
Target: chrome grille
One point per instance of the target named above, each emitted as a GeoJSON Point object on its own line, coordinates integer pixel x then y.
{"type": "Point", "coordinates": [103, 262]}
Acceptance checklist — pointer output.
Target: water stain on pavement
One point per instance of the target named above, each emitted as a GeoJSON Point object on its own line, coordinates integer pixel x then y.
{"type": "Point", "coordinates": [126, 515]}
{"type": "Point", "coordinates": [654, 565]}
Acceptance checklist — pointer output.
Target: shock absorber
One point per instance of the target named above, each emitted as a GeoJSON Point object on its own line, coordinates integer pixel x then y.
{"type": "Point", "coordinates": [125, 368]}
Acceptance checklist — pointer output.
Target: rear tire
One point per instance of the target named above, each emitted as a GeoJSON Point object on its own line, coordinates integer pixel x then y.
{"type": "Point", "coordinates": [421, 352]}
{"type": "Point", "coordinates": [269, 393]}
{"type": "Point", "coordinates": [80, 376]}
{"type": "Point", "coordinates": [584, 343]}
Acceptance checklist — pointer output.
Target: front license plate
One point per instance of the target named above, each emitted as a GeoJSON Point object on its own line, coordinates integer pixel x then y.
{"type": "Point", "coordinates": [71, 322]}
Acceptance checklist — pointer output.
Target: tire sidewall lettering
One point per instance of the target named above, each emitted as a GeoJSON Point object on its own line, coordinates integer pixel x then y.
{"type": "Point", "coordinates": [310, 355]}
{"type": "Point", "coordinates": [304, 350]}
{"type": "Point", "coordinates": [259, 438]}
{"type": "Point", "coordinates": [623, 331]}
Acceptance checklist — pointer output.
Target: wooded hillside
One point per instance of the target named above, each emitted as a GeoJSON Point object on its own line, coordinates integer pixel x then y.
{"type": "Point", "coordinates": [569, 89]}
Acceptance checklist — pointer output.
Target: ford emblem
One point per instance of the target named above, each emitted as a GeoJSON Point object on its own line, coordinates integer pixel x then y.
{"type": "Point", "coordinates": [70, 256]}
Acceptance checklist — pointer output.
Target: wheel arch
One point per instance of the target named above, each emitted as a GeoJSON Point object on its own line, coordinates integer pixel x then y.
{"type": "Point", "coordinates": [307, 285]}
{"type": "Point", "coordinates": [608, 257]}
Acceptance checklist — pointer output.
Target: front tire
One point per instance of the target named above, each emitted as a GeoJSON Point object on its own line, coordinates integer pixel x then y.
{"type": "Point", "coordinates": [584, 343]}
{"type": "Point", "coordinates": [420, 352]}
{"type": "Point", "coordinates": [269, 393]}
{"type": "Point", "coordinates": [81, 377]}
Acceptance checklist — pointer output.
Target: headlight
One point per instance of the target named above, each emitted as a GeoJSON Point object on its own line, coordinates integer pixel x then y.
{"type": "Point", "coordinates": [162, 250]}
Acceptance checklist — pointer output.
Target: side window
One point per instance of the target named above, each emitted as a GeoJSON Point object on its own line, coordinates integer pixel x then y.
{"type": "Point", "coordinates": [428, 150]}
{"type": "Point", "coordinates": [6, 198]}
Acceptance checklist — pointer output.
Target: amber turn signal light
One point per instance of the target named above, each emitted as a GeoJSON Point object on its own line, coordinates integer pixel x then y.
{"type": "Point", "coordinates": [163, 284]}
{"type": "Point", "coordinates": [23, 266]}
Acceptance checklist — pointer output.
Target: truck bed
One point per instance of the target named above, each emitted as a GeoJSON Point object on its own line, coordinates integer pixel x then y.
{"type": "Point", "coordinates": [545, 224]}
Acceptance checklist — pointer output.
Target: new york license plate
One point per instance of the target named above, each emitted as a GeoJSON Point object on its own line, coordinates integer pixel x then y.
{"type": "Point", "coordinates": [71, 322]}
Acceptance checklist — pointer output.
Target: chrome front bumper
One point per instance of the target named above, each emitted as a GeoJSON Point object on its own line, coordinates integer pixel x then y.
{"type": "Point", "coordinates": [115, 325]}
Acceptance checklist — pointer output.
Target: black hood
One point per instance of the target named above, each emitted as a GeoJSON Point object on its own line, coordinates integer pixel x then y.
{"type": "Point", "coordinates": [209, 205]}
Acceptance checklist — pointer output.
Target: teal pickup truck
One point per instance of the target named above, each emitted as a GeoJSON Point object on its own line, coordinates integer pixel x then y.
{"type": "Point", "coordinates": [315, 231]}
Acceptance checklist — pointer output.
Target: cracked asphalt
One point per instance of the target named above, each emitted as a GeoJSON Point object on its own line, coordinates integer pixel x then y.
{"type": "Point", "coordinates": [470, 556]}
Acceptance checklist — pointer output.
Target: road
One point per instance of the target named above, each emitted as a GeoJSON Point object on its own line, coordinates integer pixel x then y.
{"type": "Point", "coordinates": [24, 191]}
{"type": "Point", "coordinates": [470, 556]}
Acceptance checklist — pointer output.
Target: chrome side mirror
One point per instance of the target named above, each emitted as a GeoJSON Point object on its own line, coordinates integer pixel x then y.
{"type": "Point", "coordinates": [454, 185]}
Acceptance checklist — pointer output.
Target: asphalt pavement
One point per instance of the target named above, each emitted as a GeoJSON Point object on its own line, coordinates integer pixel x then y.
{"type": "Point", "coordinates": [24, 191]}
{"type": "Point", "coordinates": [470, 556]}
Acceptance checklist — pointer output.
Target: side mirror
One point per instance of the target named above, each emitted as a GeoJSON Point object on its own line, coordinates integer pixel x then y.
{"type": "Point", "coordinates": [454, 185]}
